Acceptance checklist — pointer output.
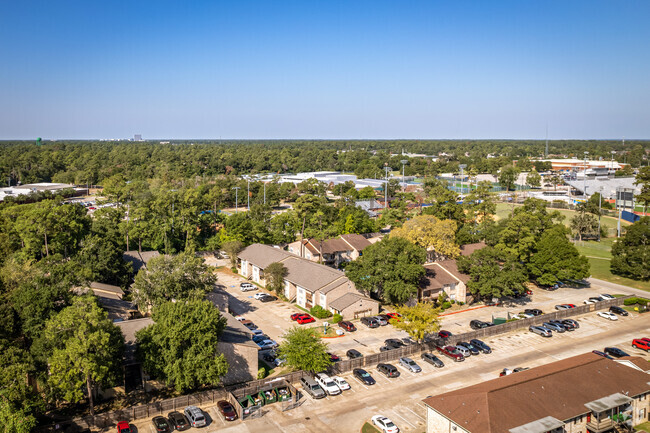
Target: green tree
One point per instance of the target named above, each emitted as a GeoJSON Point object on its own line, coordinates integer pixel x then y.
{"type": "Point", "coordinates": [643, 179]}
{"type": "Point", "coordinates": [304, 350]}
{"type": "Point", "coordinates": [557, 259]}
{"type": "Point", "coordinates": [584, 224]}
{"type": "Point", "coordinates": [493, 273]}
{"type": "Point", "coordinates": [480, 203]}
{"type": "Point", "coordinates": [631, 253]}
{"type": "Point", "coordinates": [392, 268]}
{"type": "Point", "coordinates": [366, 193]}
{"type": "Point", "coordinates": [87, 350]}
{"type": "Point", "coordinates": [418, 320]}
{"type": "Point", "coordinates": [533, 179]}
{"type": "Point", "coordinates": [508, 176]}
{"type": "Point", "coordinates": [275, 273]}
{"type": "Point", "coordinates": [181, 346]}
{"type": "Point", "coordinates": [15, 419]}
{"type": "Point", "coordinates": [167, 278]}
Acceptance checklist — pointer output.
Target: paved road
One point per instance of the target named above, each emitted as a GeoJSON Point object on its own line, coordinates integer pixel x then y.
{"type": "Point", "coordinates": [400, 398]}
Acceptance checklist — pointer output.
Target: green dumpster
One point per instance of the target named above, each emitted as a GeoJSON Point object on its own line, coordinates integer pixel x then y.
{"type": "Point", "coordinates": [246, 403]}
{"type": "Point", "coordinates": [270, 396]}
{"type": "Point", "coordinates": [284, 393]}
{"type": "Point", "coordinates": [258, 399]}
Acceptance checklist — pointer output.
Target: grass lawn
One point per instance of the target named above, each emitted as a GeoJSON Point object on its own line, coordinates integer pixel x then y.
{"type": "Point", "coordinates": [644, 426]}
{"type": "Point", "coordinates": [369, 428]}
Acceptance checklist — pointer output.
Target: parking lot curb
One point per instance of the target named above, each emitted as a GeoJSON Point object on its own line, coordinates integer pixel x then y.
{"type": "Point", "coordinates": [462, 311]}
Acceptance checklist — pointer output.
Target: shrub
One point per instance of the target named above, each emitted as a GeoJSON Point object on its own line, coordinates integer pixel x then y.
{"type": "Point", "coordinates": [234, 270]}
{"type": "Point", "coordinates": [319, 312]}
{"type": "Point", "coordinates": [337, 318]}
{"type": "Point", "coordinates": [446, 305]}
{"type": "Point", "coordinates": [261, 373]}
{"type": "Point", "coordinates": [630, 301]}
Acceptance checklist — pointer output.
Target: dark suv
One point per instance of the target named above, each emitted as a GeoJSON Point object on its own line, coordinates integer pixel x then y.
{"type": "Point", "coordinates": [370, 322]}
{"type": "Point", "coordinates": [388, 370]}
{"type": "Point", "coordinates": [478, 324]}
{"type": "Point", "coordinates": [354, 353]}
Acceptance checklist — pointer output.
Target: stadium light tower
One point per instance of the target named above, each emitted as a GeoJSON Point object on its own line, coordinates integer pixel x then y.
{"type": "Point", "coordinates": [387, 169]}
{"type": "Point", "coordinates": [404, 162]}
{"type": "Point", "coordinates": [236, 188]}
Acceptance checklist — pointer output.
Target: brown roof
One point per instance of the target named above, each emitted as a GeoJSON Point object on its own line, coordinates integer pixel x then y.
{"type": "Point", "coordinates": [358, 242]}
{"type": "Point", "coordinates": [343, 302]}
{"type": "Point", "coordinates": [329, 246]}
{"type": "Point", "coordinates": [309, 275]}
{"type": "Point", "coordinates": [263, 255]}
{"type": "Point", "coordinates": [107, 288]}
{"type": "Point", "coordinates": [560, 390]}
{"type": "Point", "coordinates": [139, 258]}
{"type": "Point", "coordinates": [468, 249]}
{"type": "Point", "coordinates": [441, 273]}
{"type": "Point", "coordinates": [637, 361]}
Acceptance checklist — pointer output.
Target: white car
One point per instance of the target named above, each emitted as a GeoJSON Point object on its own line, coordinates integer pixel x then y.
{"type": "Point", "coordinates": [607, 315]}
{"type": "Point", "coordinates": [463, 351]}
{"type": "Point", "coordinates": [590, 301]}
{"type": "Point", "coordinates": [605, 296]}
{"type": "Point", "coordinates": [245, 287]}
{"type": "Point", "coordinates": [326, 382]}
{"type": "Point", "coordinates": [384, 424]}
{"type": "Point", "coordinates": [260, 295]}
{"type": "Point", "coordinates": [341, 383]}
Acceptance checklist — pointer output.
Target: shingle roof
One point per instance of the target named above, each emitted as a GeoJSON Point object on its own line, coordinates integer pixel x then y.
{"type": "Point", "coordinates": [263, 255]}
{"type": "Point", "coordinates": [139, 258]}
{"type": "Point", "coordinates": [329, 246]}
{"type": "Point", "coordinates": [358, 242]}
{"type": "Point", "coordinates": [348, 299]}
{"type": "Point", "coordinates": [468, 249]}
{"type": "Point", "coordinates": [435, 277]}
{"type": "Point", "coordinates": [334, 284]}
{"type": "Point", "coordinates": [106, 288]}
{"type": "Point", "coordinates": [451, 266]}
{"type": "Point", "coordinates": [309, 275]}
{"type": "Point", "coordinates": [560, 389]}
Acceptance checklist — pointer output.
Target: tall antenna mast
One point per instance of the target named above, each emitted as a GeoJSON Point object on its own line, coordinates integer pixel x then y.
{"type": "Point", "coordinates": [546, 154]}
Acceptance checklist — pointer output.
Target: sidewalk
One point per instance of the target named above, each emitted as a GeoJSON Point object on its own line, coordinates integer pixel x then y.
{"type": "Point", "coordinates": [618, 287]}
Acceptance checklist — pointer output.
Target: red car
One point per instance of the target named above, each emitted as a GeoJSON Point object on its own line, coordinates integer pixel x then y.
{"type": "Point", "coordinates": [123, 427]}
{"type": "Point", "coordinates": [334, 358]}
{"type": "Point", "coordinates": [444, 334]}
{"type": "Point", "coordinates": [395, 316]}
{"type": "Point", "coordinates": [642, 344]}
{"type": "Point", "coordinates": [305, 318]}
{"type": "Point", "coordinates": [451, 352]}
{"type": "Point", "coordinates": [227, 410]}
{"type": "Point", "coordinates": [348, 326]}
{"type": "Point", "coordinates": [295, 316]}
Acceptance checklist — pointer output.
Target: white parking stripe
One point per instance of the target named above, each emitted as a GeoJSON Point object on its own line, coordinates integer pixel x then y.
{"type": "Point", "coordinates": [419, 416]}
{"type": "Point", "coordinates": [404, 419]}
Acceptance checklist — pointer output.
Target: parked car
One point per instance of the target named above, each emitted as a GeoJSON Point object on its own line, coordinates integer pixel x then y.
{"type": "Point", "coordinates": [410, 365]}
{"type": "Point", "coordinates": [178, 421]}
{"type": "Point", "coordinates": [370, 322]}
{"type": "Point", "coordinates": [395, 316]}
{"type": "Point", "coordinates": [123, 427]}
{"type": "Point", "coordinates": [451, 352]}
{"type": "Point", "coordinates": [592, 300]}
{"type": "Point", "coordinates": [381, 320]}
{"type": "Point", "coordinates": [599, 353]}
{"type": "Point", "coordinates": [386, 348]}
{"type": "Point", "coordinates": [341, 383]}
{"type": "Point", "coordinates": [389, 370]}
{"type": "Point", "coordinates": [463, 351]}
{"type": "Point", "coordinates": [333, 357]}
{"type": "Point", "coordinates": [348, 326]}
{"type": "Point", "coordinates": [571, 322]}
{"type": "Point", "coordinates": [408, 341]}
{"type": "Point", "coordinates": [394, 342]}
{"type": "Point", "coordinates": [534, 311]}
{"type": "Point", "coordinates": [563, 307]}
{"type": "Point", "coordinates": [444, 334]}
{"type": "Point", "coordinates": [260, 295]}
{"type": "Point", "coordinates": [260, 338]}
{"type": "Point", "coordinates": [268, 298]}
{"type": "Point", "coordinates": [267, 344]}
{"type": "Point", "coordinates": [607, 315]}
{"type": "Point", "coordinates": [481, 346]}
{"type": "Point", "coordinates": [641, 344]}
{"type": "Point", "coordinates": [227, 410]}
{"type": "Point", "coordinates": [195, 416]}
{"type": "Point", "coordinates": [473, 350]}
{"type": "Point", "coordinates": [312, 388]}
{"type": "Point", "coordinates": [161, 424]}
{"type": "Point", "coordinates": [249, 324]}
{"type": "Point", "coordinates": [385, 317]}
{"type": "Point", "coordinates": [328, 385]}
{"type": "Point", "coordinates": [508, 372]}
{"type": "Point", "coordinates": [245, 287]}
{"type": "Point", "coordinates": [305, 319]}
{"type": "Point", "coordinates": [554, 327]}
{"type": "Point", "coordinates": [524, 315]}
{"type": "Point", "coordinates": [541, 330]}
{"type": "Point", "coordinates": [566, 326]}
{"type": "Point", "coordinates": [295, 316]}
{"type": "Point", "coordinates": [605, 296]}
{"type": "Point", "coordinates": [479, 324]}
{"type": "Point", "coordinates": [384, 424]}
{"type": "Point", "coordinates": [615, 352]}
{"type": "Point", "coordinates": [353, 353]}
{"type": "Point", "coordinates": [363, 376]}
{"type": "Point", "coordinates": [618, 310]}
{"type": "Point", "coordinates": [432, 359]}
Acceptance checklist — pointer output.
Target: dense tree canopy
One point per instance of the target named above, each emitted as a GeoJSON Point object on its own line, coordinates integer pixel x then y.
{"type": "Point", "coordinates": [557, 259]}
{"type": "Point", "coordinates": [631, 253]}
{"type": "Point", "coordinates": [304, 350]}
{"type": "Point", "coordinates": [494, 273]}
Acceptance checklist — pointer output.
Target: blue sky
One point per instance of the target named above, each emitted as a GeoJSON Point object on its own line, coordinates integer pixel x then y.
{"type": "Point", "coordinates": [311, 69]}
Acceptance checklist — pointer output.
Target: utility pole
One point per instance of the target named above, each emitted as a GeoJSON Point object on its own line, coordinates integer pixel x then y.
{"type": "Point", "coordinates": [584, 190]}
{"type": "Point", "coordinates": [264, 192]}
{"type": "Point", "coordinates": [236, 188]}
{"type": "Point", "coordinates": [387, 169]}
{"type": "Point", "coordinates": [248, 192]}
{"type": "Point", "coordinates": [404, 162]}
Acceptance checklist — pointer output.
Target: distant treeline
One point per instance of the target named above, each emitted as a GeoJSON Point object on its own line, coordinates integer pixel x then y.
{"type": "Point", "coordinates": [81, 162]}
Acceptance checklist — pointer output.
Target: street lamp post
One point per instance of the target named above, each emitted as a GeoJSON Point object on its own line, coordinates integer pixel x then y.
{"type": "Point", "coordinates": [236, 188]}
{"type": "Point", "coordinates": [404, 162]}
{"type": "Point", "coordinates": [612, 160]}
{"type": "Point", "coordinates": [387, 169]}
